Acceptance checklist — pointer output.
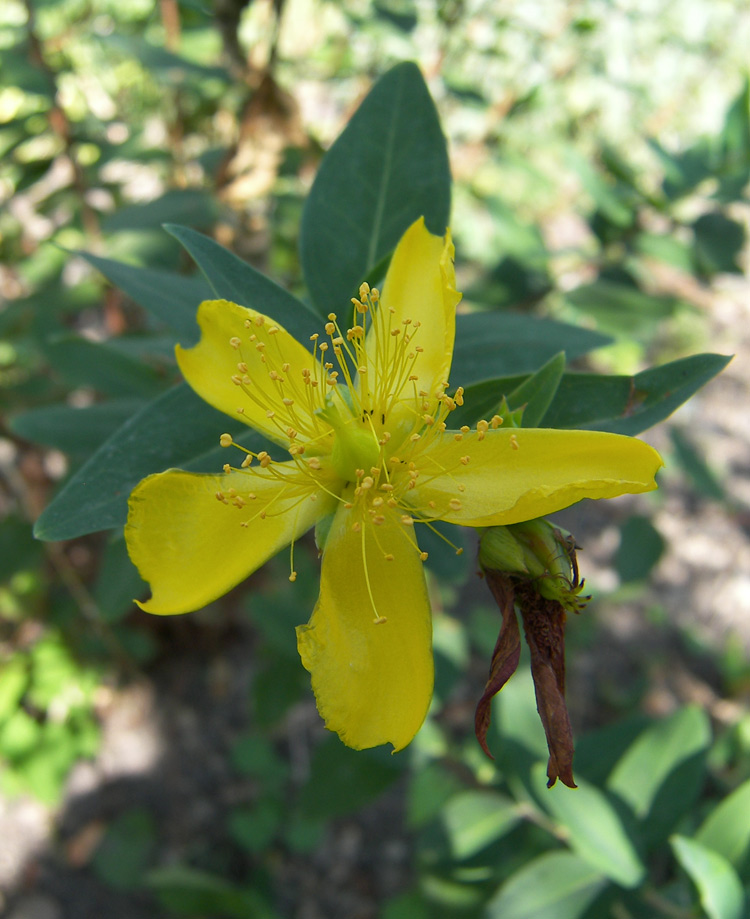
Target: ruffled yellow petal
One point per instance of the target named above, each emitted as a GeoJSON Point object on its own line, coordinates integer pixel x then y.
{"type": "Point", "coordinates": [372, 679]}
{"type": "Point", "coordinates": [271, 364]}
{"type": "Point", "coordinates": [420, 285]}
{"type": "Point", "coordinates": [515, 475]}
{"type": "Point", "coordinates": [192, 547]}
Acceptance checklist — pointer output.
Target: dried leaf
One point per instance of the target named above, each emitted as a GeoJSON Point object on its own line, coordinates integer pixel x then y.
{"type": "Point", "coordinates": [505, 657]}
{"type": "Point", "coordinates": [544, 625]}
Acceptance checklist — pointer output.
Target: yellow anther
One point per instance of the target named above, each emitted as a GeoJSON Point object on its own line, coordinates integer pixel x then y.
{"type": "Point", "coordinates": [392, 502]}
{"type": "Point", "coordinates": [415, 437]}
{"type": "Point", "coordinates": [259, 319]}
{"type": "Point", "coordinates": [323, 346]}
{"type": "Point", "coordinates": [377, 502]}
{"type": "Point", "coordinates": [242, 367]}
{"type": "Point", "coordinates": [246, 381]}
{"type": "Point", "coordinates": [314, 463]}
{"type": "Point", "coordinates": [496, 421]}
{"type": "Point", "coordinates": [273, 330]}
{"type": "Point", "coordinates": [465, 460]}
{"type": "Point", "coordinates": [314, 337]}
{"type": "Point", "coordinates": [378, 519]}
{"type": "Point", "coordinates": [235, 342]}
{"type": "Point", "coordinates": [362, 370]}
{"type": "Point", "coordinates": [251, 496]}
{"type": "Point", "coordinates": [454, 504]}
{"type": "Point", "coordinates": [264, 459]}
{"type": "Point", "coordinates": [288, 402]}
{"type": "Point", "coordinates": [428, 420]}
{"type": "Point", "coordinates": [285, 366]}
{"type": "Point", "coordinates": [459, 396]}
{"type": "Point", "coordinates": [464, 429]}
{"type": "Point", "coordinates": [220, 497]}
{"type": "Point", "coordinates": [395, 332]}
{"type": "Point", "coordinates": [330, 328]}
{"type": "Point", "coordinates": [458, 437]}
{"type": "Point", "coordinates": [407, 520]}
{"type": "Point", "coordinates": [374, 295]}
{"type": "Point", "coordinates": [226, 467]}
{"type": "Point", "coordinates": [293, 576]}
{"type": "Point", "coordinates": [386, 487]}
{"type": "Point", "coordinates": [240, 411]}
{"type": "Point", "coordinates": [247, 461]}
{"type": "Point", "coordinates": [291, 433]}
{"type": "Point", "coordinates": [270, 413]}
{"type": "Point", "coordinates": [332, 317]}
{"type": "Point", "coordinates": [461, 487]}
{"type": "Point", "coordinates": [225, 440]}
{"type": "Point", "coordinates": [237, 380]}
{"type": "Point", "coordinates": [367, 482]}
{"type": "Point", "coordinates": [247, 324]}
{"type": "Point", "coordinates": [424, 556]}
{"type": "Point", "coordinates": [381, 620]}
{"type": "Point", "coordinates": [356, 526]}
{"type": "Point", "coordinates": [364, 290]}
{"type": "Point", "coordinates": [513, 441]}
{"type": "Point", "coordinates": [388, 557]}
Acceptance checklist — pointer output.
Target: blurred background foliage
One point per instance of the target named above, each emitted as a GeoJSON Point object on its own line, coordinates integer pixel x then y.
{"type": "Point", "coordinates": [601, 160]}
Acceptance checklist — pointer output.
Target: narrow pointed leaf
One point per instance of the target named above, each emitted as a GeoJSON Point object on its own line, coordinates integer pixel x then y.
{"type": "Point", "coordinates": [388, 168]}
{"type": "Point", "coordinates": [498, 344]}
{"type": "Point", "coordinates": [156, 438]}
{"type": "Point", "coordinates": [102, 366]}
{"type": "Point", "coordinates": [171, 298]}
{"type": "Point", "coordinates": [537, 393]}
{"type": "Point", "coordinates": [76, 431]}
{"type": "Point", "coordinates": [619, 404]}
{"type": "Point", "coordinates": [232, 279]}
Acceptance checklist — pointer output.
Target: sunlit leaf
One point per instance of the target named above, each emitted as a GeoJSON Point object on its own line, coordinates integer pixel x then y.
{"type": "Point", "coordinates": [388, 168]}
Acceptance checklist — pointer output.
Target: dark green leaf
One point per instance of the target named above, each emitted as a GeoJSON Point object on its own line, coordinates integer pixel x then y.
{"type": "Point", "coordinates": [189, 892]}
{"type": "Point", "coordinates": [429, 790]}
{"type": "Point", "coordinates": [342, 780]}
{"type": "Point", "coordinates": [232, 279]}
{"type": "Point", "coordinates": [641, 547]}
{"type": "Point", "coordinates": [718, 243]}
{"type": "Point", "coordinates": [629, 405]}
{"type": "Point", "coordinates": [719, 888]}
{"type": "Point", "coordinates": [18, 550]}
{"type": "Point", "coordinates": [558, 885]}
{"type": "Point", "coordinates": [171, 298]}
{"type": "Point", "coordinates": [126, 850]}
{"type": "Point", "coordinates": [85, 363]}
{"type": "Point", "coordinates": [537, 392]}
{"type": "Point", "coordinates": [621, 308]}
{"type": "Point", "coordinates": [694, 466]}
{"type": "Point", "coordinates": [76, 431]}
{"type": "Point", "coordinates": [735, 136]}
{"type": "Point", "coordinates": [594, 829]}
{"type": "Point", "coordinates": [193, 206]}
{"type": "Point", "coordinates": [490, 345]}
{"type": "Point", "coordinates": [388, 168]}
{"type": "Point", "coordinates": [117, 583]}
{"type": "Point", "coordinates": [176, 429]}
{"type": "Point", "coordinates": [254, 828]}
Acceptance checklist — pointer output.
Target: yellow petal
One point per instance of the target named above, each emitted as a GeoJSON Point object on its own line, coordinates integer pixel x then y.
{"type": "Point", "coordinates": [420, 285]}
{"type": "Point", "coordinates": [210, 366]}
{"type": "Point", "coordinates": [515, 475]}
{"type": "Point", "coordinates": [192, 547]}
{"type": "Point", "coordinates": [372, 681]}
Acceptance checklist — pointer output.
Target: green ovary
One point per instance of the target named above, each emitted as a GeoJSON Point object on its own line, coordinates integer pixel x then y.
{"type": "Point", "coordinates": [354, 447]}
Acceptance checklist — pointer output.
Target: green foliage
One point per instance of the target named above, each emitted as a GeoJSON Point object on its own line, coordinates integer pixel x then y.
{"type": "Point", "coordinates": [658, 825]}
{"type": "Point", "coordinates": [46, 717]}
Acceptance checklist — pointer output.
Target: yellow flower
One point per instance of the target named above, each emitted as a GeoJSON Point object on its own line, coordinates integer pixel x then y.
{"type": "Point", "coordinates": [364, 416]}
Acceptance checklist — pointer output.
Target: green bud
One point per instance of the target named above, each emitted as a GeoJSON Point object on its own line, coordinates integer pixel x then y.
{"type": "Point", "coordinates": [538, 552]}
